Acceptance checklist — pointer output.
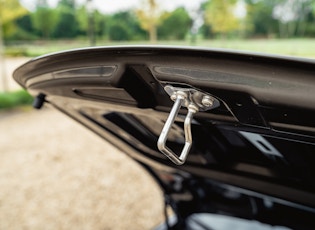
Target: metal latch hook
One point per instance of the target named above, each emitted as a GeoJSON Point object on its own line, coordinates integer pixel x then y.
{"type": "Point", "coordinates": [194, 101]}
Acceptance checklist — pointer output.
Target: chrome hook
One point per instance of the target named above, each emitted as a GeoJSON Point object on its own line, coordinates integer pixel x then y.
{"type": "Point", "coordinates": [182, 97]}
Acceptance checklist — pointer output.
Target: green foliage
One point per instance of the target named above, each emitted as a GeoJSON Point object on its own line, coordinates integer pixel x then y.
{"type": "Point", "coordinates": [292, 16]}
{"type": "Point", "coordinates": [13, 99]}
{"type": "Point", "coordinates": [82, 18]}
{"type": "Point", "coordinates": [259, 18]}
{"type": "Point", "coordinates": [9, 11]}
{"type": "Point", "coordinates": [175, 25]}
{"type": "Point", "coordinates": [309, 29]}
{"type": "Point", "coordinates": [45, 21]}
{"type": "Point", "coordinates": [119, 31]}
{"type": "Point", "coordinates": [68, 21]}
{"type": "Point", "coordinates": [124, 26]}
{"type": "Point", "coordinates": [67, 24]}
{"type": "Point", "coordinates": [220, 15]}
{"type": "Point", "coordinates": [207, 32]}
{"type": "Point", "coordinates": [149, 16]}
{"type": "Point", "coordinates": [25, 29]}
{"type": "Point", "coordinates": [97, 19]}
{"type": "Point", "coordinates": [69, 4]}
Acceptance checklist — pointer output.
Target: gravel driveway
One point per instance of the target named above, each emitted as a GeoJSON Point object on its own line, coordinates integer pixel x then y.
{"type": "Point", "coordinates": [55, 174]}
{"type": "Point", "coordinates": [10, 64]}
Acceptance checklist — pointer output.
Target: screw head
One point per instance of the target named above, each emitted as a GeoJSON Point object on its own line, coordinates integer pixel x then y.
{"type": "Point", "coordinates": [207, 101]}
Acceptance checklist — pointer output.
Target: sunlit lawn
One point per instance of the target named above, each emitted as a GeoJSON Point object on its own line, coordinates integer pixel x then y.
{"type": "Point", "coordinates": [292, 47]}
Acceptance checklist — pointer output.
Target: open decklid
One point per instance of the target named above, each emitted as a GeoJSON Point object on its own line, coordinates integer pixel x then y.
{"type": "Point", "coordinates": [253, 126]}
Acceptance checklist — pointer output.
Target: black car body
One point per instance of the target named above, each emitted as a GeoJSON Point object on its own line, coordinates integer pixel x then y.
{"type": "Point", "coordinates": [252, 154]}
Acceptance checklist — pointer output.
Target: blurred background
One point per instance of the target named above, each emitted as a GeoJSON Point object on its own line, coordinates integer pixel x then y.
{"type": "Point", "coordinates": [50, 181]}
{"type": "Point", "coordinates": [34, 27]}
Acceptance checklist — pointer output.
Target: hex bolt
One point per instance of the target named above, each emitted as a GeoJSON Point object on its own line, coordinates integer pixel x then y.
{"type": "Point", "coordinates": [178, 94]}
{"type": "Point", "coordinates": [174, 96]}
{"type": "Point", "coordinates": [207, 101]}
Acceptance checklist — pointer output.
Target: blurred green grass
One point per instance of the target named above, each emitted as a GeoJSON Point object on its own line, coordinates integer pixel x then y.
{"type": "Point", "coordinates": [303, 47]}
{"type": "Point", "coordinates": [14, 99]}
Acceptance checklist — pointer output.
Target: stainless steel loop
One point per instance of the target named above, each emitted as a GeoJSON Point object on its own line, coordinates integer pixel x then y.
{"type": "Point", "coordinates": [194, 101]}
{"type": "Point", "coordinates": [179, 160]}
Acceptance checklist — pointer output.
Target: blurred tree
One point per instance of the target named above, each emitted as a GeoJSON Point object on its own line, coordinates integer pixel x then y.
{"type": "Point", "coordinates": [176, 24]}
{"type": "Point", "coordinates": [220, 15]}
{"type": "Point", "coordinates": [309, 29]}
{"type": "Point", "coordinates": [291, 15]}
{"type": "Point", "coordinates": [25, 23]}
{"type": "Point", "coordinates": [196, 15]}
{"type": "Point", "coordinates": [44, 19]}
{"type": "Point", "coordinates": [149, 16]}
{"type": "Point", "coordinates": [67, 24]}
{"type": "Point", "coordinates": [259, 20]}
{"type": "Point", "coordinates": [90, 10]}
{"type": "Point", "coordinates": [70, 4]}
{"type": "Point", "coordinates": [307, 20]}
{"type": "Point", "coordinates": [123, 26]}
{"type": "Point", "coordinates": [119, 31]}
{"type": "Point", "coordinates": [9, 10]}
{"type": "Point", "coordinates": [206, 31]}
{"type": "Point", "coordinates": [84, 19]}
{"type": "Point", "coordinates": [24, 29]}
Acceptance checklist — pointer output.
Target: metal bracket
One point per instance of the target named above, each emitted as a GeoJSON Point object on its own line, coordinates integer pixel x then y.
{"type": "Point", "coordinates": [194, 101]}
